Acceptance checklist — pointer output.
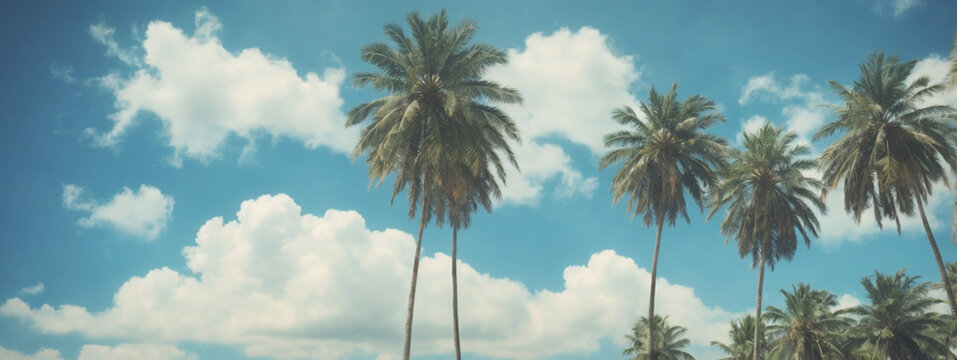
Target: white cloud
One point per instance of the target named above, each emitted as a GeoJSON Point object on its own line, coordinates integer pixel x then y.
{"type": "Point", "coordinates": [802, 113]}
{"type": "Point", "coordinates": [42, 354]}
{"type": "Point", "coordinates": [103, 34]}
{"type": "Point", "coordinates": [62, 72]}
{"type": "Point", "coordinates": [203, 94]}
{"type": "Point", "coordinates": [901, 6]}
{"type": "Point", "coordinates": [571, 81]}
{"type": "Point", "coordinates": [32, 290]}
{"type": "Point", "coordinates": [847, 301]}
{"type": "Point", "coordinates": [750, 126]}
{"type": "Point", "coordinates": [284, 284]}
{"type": "Point", "coordinates": [143, 213]}
{"type": "Point", "coordinates": [134, 352]}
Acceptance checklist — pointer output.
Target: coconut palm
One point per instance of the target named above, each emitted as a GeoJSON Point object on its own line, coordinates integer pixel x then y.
{"type": "Point", "coordinates": [897, 323]}
{"type": "Point", "coordinates": [807, 328]}
{"type": "Point", "coordinates": [433, 78]}
{"type": "Point", "coordinates": [770, 201]}
{"type": "Point", "coordinates": [664, 156]}
{"type": "Point", "coordinates": [669, 340]}
{"type": "Point", "coordinates": [742, 340]}
{"type": "Point", "coordinates": [468, 183]}
{"type": "Point", "coordinates": [893, 147]}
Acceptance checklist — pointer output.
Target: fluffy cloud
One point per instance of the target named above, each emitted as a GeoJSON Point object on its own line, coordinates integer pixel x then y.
{"type": "Point", "coordinates": [203, 94]}
{"type": "Point", "coordinates": [571, 81]}
{"type": "Point", "coordinates": [133, 352]}
{"type": "Point", "coordinates": [32, 290]}
{"type": "Point", "coordinates": [42, 354]}
{"type": "Point", "coordinates": [847, 301]}
{"type": "Point", "coordinates": [143, 213]}
{"type": "Point", "coordinates": [289, 285]}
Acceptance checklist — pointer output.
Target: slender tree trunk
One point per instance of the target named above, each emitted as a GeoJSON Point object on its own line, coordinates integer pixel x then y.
{"type": "Point", "coordinates": [757, 312]}
{"type": "Point", "coordinates": [940, 263]}
{"type": "Point", "coordinates": [455, 295]}
{"type": "Point", "coordinates": [407, 345]}
{"type": "Point", "coordinates": [652, 354]}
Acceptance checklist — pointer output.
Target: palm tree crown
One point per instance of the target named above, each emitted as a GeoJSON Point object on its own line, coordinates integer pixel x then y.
{"type": "Point", "coordinates": [670, 340]}
{"type": "Point", "coordinates": [897, 322]}
{"type": "Point", "coordinates": [770, 200]}
{"type": "Point", "coordinates": [436, 95]}
{"type": "Point", "coordinates": [742, 340]}
{"type": "Point", "coordinates": [888, 156]}
{"type": "Point", "coordinates": [665, 155]}
{"type": "Point", "coordinates": [807, 328]}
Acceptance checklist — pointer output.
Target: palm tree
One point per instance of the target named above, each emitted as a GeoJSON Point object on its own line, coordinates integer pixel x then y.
{"type": "Point", "coordinates": [768, 199]}
{"type": "Point", "coordinates": [742, 340]}
{"type": "Point", "coordinates": [897, 322]}
{"type": "Point", "coordinates": [891, 151]}
{"type": "Point", "coordinates": [807, 328]}
{"type": "Point", "coordinates": [468, 182]}
{"type": "Point", "coordinates": [668, 341]}
{"type": "Point", "coordinates": [434, 83]}
{"type": "Point", "coordinates": [663, 157]}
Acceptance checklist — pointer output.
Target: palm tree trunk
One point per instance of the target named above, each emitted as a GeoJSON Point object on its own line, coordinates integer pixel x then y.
{"type": "Point", "coordinates": [940, 263]}
{"type": "Point", "coordinates": [757, 312]}
{"type": "Point", "coordinates": [455, 295]}
{"type": "Point", "coordinates": [407, 345]}
{"type": "Point", "coordinates": [652, 355]}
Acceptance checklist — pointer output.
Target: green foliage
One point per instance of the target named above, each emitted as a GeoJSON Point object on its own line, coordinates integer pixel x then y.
{"type": "Point", "coordinates": [892, 147]}
{"type": "Point", "coordinates": [669, 340]}
{"type": "Point", "coordinates": [898, 323]}
{"type": "Point", "coordinates": [664, 155]}
{"type": "Point", "coordinates": [807, 328]}
{"type": "Point", "coordinates": [770, 201]}
{"type": "Point", "coordinates": [742, 340]}
{"type": "Point", "coordinates": [434, 130]}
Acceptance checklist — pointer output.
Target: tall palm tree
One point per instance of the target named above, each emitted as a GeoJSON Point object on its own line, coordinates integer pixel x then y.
{"type": "Point", "coordinates": [891, 151]}
{"type": "Point", "coordinates": [896, 323]}
{"type": "Point", "coordinates": [770, 201]}
{"type": "Point", "coordinates": [668, 342]}
{"type": "Point", "coordinates": [434, 82]}
{"type": "Point", "coordinates": [663, 157]}
{"type": "Point", "coordinates": [807, 328]}
{"type": "Point", "coordinates": [742, 340]}
{"type": "Point", "coordinates": [469, 180]}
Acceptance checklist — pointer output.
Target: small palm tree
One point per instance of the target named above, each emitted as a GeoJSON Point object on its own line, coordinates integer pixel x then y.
{"type": "Point", "coordinates": [742, 340]}
{"type": "Point", "coordinates": [770, 202]}
{"type": "Point", "coordinates": [669, 341]}
{"type": "Point", "coordinates": [663, 157]}
{"type": "Point", "coordinates": [891, 151]}
{"type": "Point", "coordinates": [807, 328]}
{"type": "Point", "coordinates": [897, 324]}
{"type": "Point", "coordinates": [435, 87]}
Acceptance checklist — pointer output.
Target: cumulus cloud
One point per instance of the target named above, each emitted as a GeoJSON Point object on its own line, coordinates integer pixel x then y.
{"type": "Point", "coordinates": [143, 213]}
{"type": "Point", "coordinates": [847, 301]}
{"type": "Point", "coordinates": [134, 352]}
{"type": "Point", "coordinates": [32, 290]}
{"type": "Point", "coordinates": [204, 94]}
{"type": "Point", "coordinates": [750, 126]}
{"type": "Point", "coordinates": [571, 81]}
{"type": "Point", "coordinates": [284, 284]}
{"type": "Point", "coordinates": [42, 354]}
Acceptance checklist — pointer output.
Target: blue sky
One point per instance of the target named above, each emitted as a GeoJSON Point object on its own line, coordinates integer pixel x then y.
{"type": "Point", "coordinates": [177, 180]}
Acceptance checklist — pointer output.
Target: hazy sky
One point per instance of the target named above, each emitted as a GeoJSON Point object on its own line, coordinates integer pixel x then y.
{"type": "Point", "coordinates": [178, 183]}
